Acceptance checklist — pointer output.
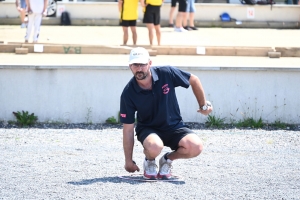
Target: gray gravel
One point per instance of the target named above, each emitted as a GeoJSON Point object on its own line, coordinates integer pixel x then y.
{"type": "Point", "coordinates": [85, 164]}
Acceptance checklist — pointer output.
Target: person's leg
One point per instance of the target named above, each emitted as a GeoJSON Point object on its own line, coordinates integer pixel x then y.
{"type": "Point", "coordinates": [22, 15]}
{"type": "Point", "coordinates": [172, 10]}
{"type": "Point", "coordinates": [191, 19]}
{"type": "Point", "coordinates": [37, 25]}
{"type": "Point", "coordinates": [192, 14]}
{"type": "Point", "coordinates": [149, 21]}
{"type": "Point", "coordinates": [150, 32]}
{"type": "Point", "coordinates": [125, 35]}
{"type": "Point", "coordinates": [184, 21]}
{"type": "Point", "coordinates": [158, 33]}
{"type": "Point", "coordinates": [132, 24]}
{"type": "Point", "coordinates": [152, 146]}
{"type": "Point", "coordinates": [186, 15]}
{"type": "Point", "coordinates": [22, 11]}
{"type": "Point", "coordinates": [180, 15]}
{"type": "Point", "coordinates": [184, 142]}
{"type": "Point", "coordinates": [134, 34]}
{"type": "Point", "coordinates": [188, 147]}
{"type": "Point", "coordinates": [29, 26]}
{"type": "Point", "coordinates": [171, 22]}
{"type": "Point", "coordinates": [157, 23]}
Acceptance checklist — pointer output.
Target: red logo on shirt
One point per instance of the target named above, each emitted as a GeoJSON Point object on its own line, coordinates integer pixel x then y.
{"type": "Point", "coordinates": [165, 89]}
{"type": "Point", "coordinates": [123, 115]}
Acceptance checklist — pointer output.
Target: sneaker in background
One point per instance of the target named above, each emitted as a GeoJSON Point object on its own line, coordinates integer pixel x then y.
{"type": "Point", "coordinates": [193, 28]}
{"type": "Point", "coordinates": [164, 168]}
{"type": "Point", "coordinates": [23, 25]}
{"type": "Point", "coordinates": [150, 169]}
{"type": "Point", "coordinates": [187, 28]}
{"type": "Point", "coordinates": [181, 29]}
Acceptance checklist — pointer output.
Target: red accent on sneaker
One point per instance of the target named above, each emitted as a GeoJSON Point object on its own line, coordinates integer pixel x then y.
{"type": "Point", "coordinates": [164, 177]}
{"type": "Point", "coordinates": [151, 177]}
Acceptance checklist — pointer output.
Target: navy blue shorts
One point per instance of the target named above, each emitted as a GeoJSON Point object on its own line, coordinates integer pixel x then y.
{"type": "Point", "coordinates": [170, 139]}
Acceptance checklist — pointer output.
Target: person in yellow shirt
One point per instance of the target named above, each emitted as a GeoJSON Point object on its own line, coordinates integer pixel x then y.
{"type": "Point", "coordinates": [152, 18]}
{"type": "Point", "coordinates": [128, 16]}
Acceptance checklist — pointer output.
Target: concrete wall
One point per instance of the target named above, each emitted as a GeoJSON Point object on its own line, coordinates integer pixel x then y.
{"type": "Point", "coordinates": [205, 12]}
{"type": "Point", "coordinates": [81, 94]}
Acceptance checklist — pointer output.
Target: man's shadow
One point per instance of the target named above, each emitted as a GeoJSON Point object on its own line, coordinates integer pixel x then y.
{"type": "Point", "coordinates": [117, 179]}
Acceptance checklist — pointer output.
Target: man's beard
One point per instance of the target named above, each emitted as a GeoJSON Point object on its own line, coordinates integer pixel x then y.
{"type": "Point", "coordinates": [141, 75]}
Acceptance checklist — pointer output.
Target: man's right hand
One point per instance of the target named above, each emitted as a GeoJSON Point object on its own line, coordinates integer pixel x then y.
{"type": "Point", "coordinates": [131, 167]}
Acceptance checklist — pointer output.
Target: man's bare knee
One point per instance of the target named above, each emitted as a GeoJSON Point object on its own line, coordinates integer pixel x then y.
{"type": "Point", "coordinates": [192, 145]}
{"type": "Point", "coordinates": [196, 150]}
{"type": "Point", "coordinates": [153, 145]}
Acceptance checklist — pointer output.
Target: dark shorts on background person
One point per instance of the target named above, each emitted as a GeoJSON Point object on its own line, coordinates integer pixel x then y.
{"type": "Point", "coordinates": [173, 3]}
{"type": "Point", "coordinates": [182, 5]}
{"type": "Point", "coordinates": [169, 138]}
{"type": "Point", "coordinates": [128, 23]}
{"type": "Point", "coordinates": [152, 15]}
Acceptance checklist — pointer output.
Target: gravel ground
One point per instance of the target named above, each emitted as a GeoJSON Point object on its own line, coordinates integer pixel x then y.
{"type": "Point", "coordinates": [84, 163]}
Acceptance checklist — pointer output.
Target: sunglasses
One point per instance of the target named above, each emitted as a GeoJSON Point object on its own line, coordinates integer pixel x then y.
{"type": "Point", "coordinates": [137, 65]}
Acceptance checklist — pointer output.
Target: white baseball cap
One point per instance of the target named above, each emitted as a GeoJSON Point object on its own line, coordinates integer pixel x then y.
{"type": "Point", "coordinates": [139, 55]}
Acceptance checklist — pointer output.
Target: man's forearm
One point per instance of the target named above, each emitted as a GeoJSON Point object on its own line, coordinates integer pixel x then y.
{"type": "Point", "coordinates": [198, 90]}
{"type": "Point", "coordinates": [128, 142]}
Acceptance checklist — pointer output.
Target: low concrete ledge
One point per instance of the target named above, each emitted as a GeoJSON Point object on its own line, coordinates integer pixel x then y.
{"type": "Point", "coordinates": [164, 23]}
{"type": "Point", "coordinates": [153, 50]}
{"type": "Point", "coordinates": [236, 92]}
{"type": "Point", "coordinates": [125, 67]}
{"type": "Point", "coordinates": [288, 51]}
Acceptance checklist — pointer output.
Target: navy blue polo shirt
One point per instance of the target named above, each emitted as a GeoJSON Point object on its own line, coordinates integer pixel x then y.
{"type": "Point", "coordinates": [157, 108]}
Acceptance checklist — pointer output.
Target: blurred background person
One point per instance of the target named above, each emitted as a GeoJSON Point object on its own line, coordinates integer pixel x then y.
{"type": "Point", "coordinates": [180, 16]}
{"type": "Point", "coordinates": [190, 11]}
{"type": "Point", "coordinates": [36, 10]}
{"type": "Point", "coordinates": [152, 18]}
{"type": "Point", "coordinates": [173, 7]}
{"type": "Point", "coordinates": [21, 7]}
{"type": "Point", "coordinates": [128, 16]}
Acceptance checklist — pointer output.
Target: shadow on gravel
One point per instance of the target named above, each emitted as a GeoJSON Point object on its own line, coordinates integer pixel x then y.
{"type": "Point", "coordinates": [116, 179]}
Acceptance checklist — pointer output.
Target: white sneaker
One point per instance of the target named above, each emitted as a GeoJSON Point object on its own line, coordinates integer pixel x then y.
{"type": "Point", "coordinates": [23, 25]}
{"type": "Point", "coordinates": [150, 169]}
{"type": "Point", "coordinates": [165, 167]}
{"type": "Point", "coordinates": [181, 29]}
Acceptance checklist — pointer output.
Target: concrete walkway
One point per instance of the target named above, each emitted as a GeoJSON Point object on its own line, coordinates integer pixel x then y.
{"type": "Point", "coordinates": [101, 35]}
{"type": "Point", "coordinates": [108, 35]}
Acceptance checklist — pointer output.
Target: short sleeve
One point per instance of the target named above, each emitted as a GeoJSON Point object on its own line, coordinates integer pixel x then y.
{"type": "Point", "coordinates": [127, 110]}
{"type": "Point", "coordinates": [180, 77]}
